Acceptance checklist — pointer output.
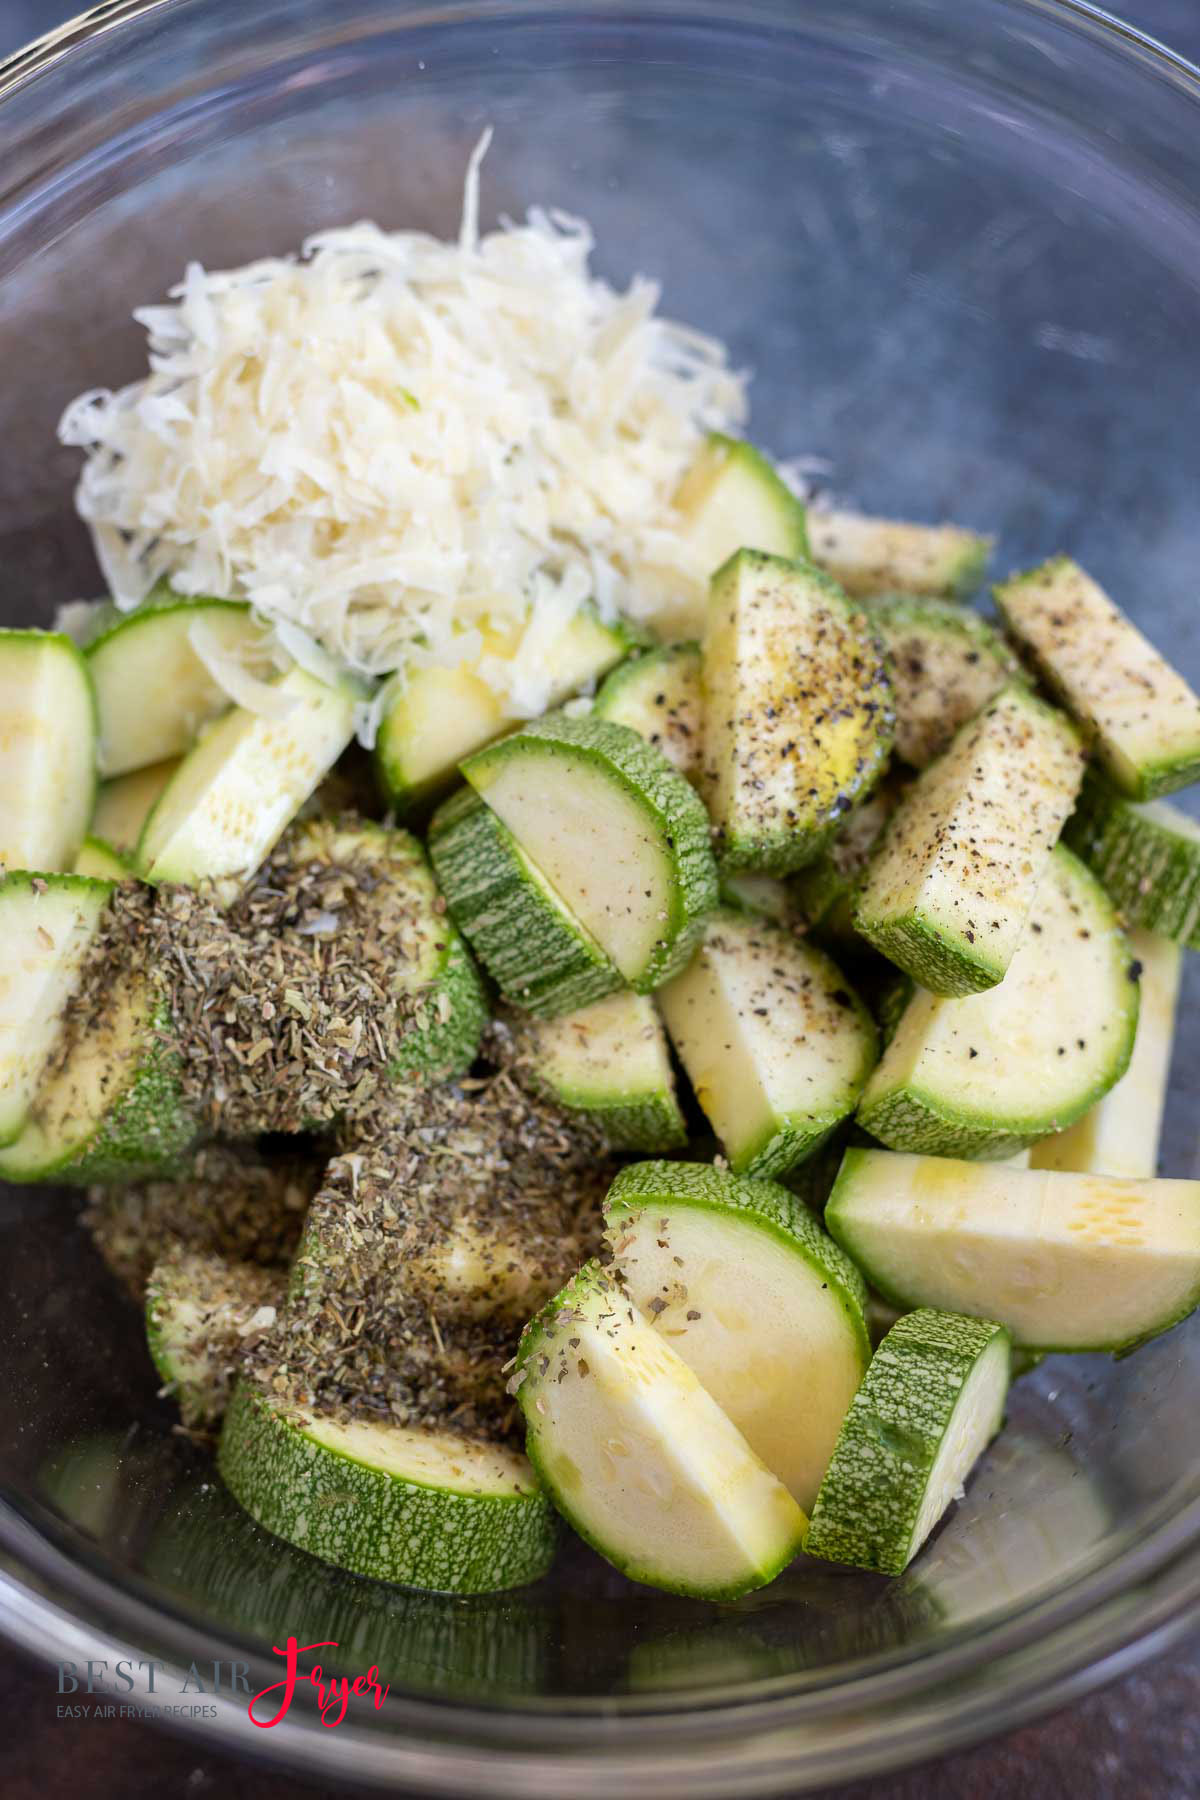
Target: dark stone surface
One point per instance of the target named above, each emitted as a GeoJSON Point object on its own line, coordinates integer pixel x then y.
{"type": "Point", "coordinates": [1138, 1740]}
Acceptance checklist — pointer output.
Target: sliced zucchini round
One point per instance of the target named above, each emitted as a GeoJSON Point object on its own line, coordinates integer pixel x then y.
{"type": "Point", "coordinates": [200, 1311]}
{"type": "Point", "coordinates": [124, 804]}
{"type": "Point", "coordinates": [639, 1458]}
{"type": "Point", "coordinates": [1119, 1135]}
{"type": "Point", "coordinates": [932, 1402]}
{"type": "Point", "coordinates": [657, 694]}
{"type": "Point", "coordinates": [610, 1063]}
{"type": "Point", "coordinates": [47, 923]}
{"type": "Point", "coordinates": [758, 1301]}
{"type": "Point", "coordinates": [538, 954]}
{"type": "Point", "coordinates": [614, 829]}
{"type": "Point", "coordinates": [100, 862]}
{"type": "Point", "coordinates": [431, 967]}
{"type": "Point", "coordinates": [945, 662]}
{"type": "Point", "coordinates": [109, 1108]}
{"type": "Point", "coordinates": [989, 1075]}
{"type": "Point", "coordinates": [874, 556]}
{"type": "Point", "coordinates": [1065, 1261]}
{"type": "Point", "coordinates": [1140, 714]}
{"type": "Point", "coordinates": [797, 710]}
{"type": "Point", "coordinates": [434, 717]}
{"type": "Point", "coordinates": [775, 1043]}
{"type": "Point", "coordinates": [948, 892]}
{"type": "Point", "coordinates": [153, 692]}
{"type": "Point", "coordinates": [425, 1509]}
{"type": "Point", "coordinates": [236, 791]}
{"type": "Point", "coordinates": [1146, 854]}
{"type": "Point", "coordinates": [47, 751]}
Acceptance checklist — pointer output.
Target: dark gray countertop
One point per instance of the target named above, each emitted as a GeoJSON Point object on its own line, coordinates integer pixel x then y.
{"type": "Point", "coordinates": [1138, 1740]}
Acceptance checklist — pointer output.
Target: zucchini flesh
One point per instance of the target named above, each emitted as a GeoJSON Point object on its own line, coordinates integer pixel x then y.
{"type": "Point", "coordinates": [948, 892]}
{"type": "Point", "coordinates": [47, 750]}
{"type": "Point", "coordinates": [538, 954]}
{"type": "Point", "coordinates": [434, 717]}
{"type": "Point", "coordinates": [732, 498]}
{"type": "Point", "coordinates": [427, 1509]}
{"type": "Point", "coordinates": [797, 710]}
{"type": "Point", "coordinates": [740, 1280]}
{"type": "Point", "coordinates": [235, 792]}
{"type": "Point", "coordinates": [932, 1401]}
{"type": "Point", "coordinates": [614, 829]}
{"type": "Point", "coordinates": [199, 1312]}
{"type": "Point", "coordinates": [1119, 1135]}
{"type": "Point", "coordinates": [775, 1043]}
{"type": "Point", "coordinates": [610, 1063]}
{"type": "Point", "coordinates": [658, 695]}
{"type": "Point", "coordinates": [124, 804]}
{"type": "Point", "coordinates": [48, 925]}
{"type": "Point", "coordinates": [869, 556]}
{"type": "Point", "coordinates": [1065, 1261]}
{"type": "Point", "coordinates": [988, 1075]}
{"type": "Point", "coordinates": [1147, 855]}
{"type": "Point", "coordinates": [945, 662]}
{"type": "Point", "coordinates": [109, 1108]}
{"type": "Point", "coordinates": [153, 692]}
{"type": "Point", "coordinates": [639, 1458]}
{"type": "Point", "coordinates": [100, 862]}
{"type": "Point", "coordinates": [1140, 713]}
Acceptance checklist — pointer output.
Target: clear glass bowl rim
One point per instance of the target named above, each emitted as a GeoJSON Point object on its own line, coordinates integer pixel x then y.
{"type": "Point", "coordinates": [1071, 1641]}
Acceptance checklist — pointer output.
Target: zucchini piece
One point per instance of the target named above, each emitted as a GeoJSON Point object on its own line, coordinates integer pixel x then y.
{"type": "Point", "coordinates": [732, 498]}
{"type": "Point", "coordinates": [99, 862]}
{"type": "Point", "coordinates": [756, 1299]}
{"type": "Point", "coordinates": [639, 1458]}
{"type": "Point", "coordinates": [434, 717]}
{"type": "Point", "coordinates": [947, 894]}
{"type": "Point", "coordinates": [1119, 1135]}
{"type": "Point", "coordinates": [765, 896]}
{"type": "Point", "coordinates": [124, 804]}
{"type": "Point", "coordinates": [932, 1402]}
{"type": "Point", "coordinates": [824, 889]}
{"type": "Point", "coordinates": [427, 1509]}
{"type": "Point", "coordinates": [48, 922]}
{"type": "Point", "coordinates": [538, 954]}
{"type": "Point", "coordinates": [238, 788]}
{"type": "Point", "coordinates": [614, 829]}
{"type": "Point", "coordinates": [876, 556]}
{"type": "Point", "coordinates": [776, 1045]}
{"type": "Point", "coordinates": [946, 662]}
{"type": "Point", "coordinates": [797, 710]}
{"type": "Point", "coordinates": [610, 1063]}
{"type": "Point", "coordinates": [200, 1312]}
{"type": "Point", "coordinates": [431, 963]}
{"type": "Point", "coordinates": [109, 1108]}
{"type": "Point", "coordinates": [658, 695]}
{"type": "Point", "coordinates": [1065, 1261]}
{"type": "Point", "coordinates": [1146, 854]}
{"type": "Point", "coordinates": [989, 1075]}
{"type": "Point", "coordinates": [47, 750]}
{"type": "Point", "coordinates": [1140, 714]}
{"type": "Point", "coordinates": [153, 693]}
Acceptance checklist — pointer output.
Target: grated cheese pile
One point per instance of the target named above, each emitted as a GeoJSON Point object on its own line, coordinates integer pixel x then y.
{"type": "Point", "coordinates": [391, 442]}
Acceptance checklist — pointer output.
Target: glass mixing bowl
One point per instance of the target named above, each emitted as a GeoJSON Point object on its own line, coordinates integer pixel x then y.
{"type": "Point", "coordinates": [960, 248]}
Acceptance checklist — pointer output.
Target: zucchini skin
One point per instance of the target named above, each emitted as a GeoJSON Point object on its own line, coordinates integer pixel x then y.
{"type": "Point", "coordinates": [383, 1526]}
{"type": "Point", "coordinates": [1152, 875]}
{"type": "Point", "coordinates": [540, 958]}
{"type": "Point", "coordinates": [870, 1500]}
{"type": "Point", "coordinates": [673, 813]}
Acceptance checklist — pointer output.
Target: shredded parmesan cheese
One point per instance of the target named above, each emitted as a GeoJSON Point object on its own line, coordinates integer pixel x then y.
{"type": "Point", "coordinates": [391, 441]}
